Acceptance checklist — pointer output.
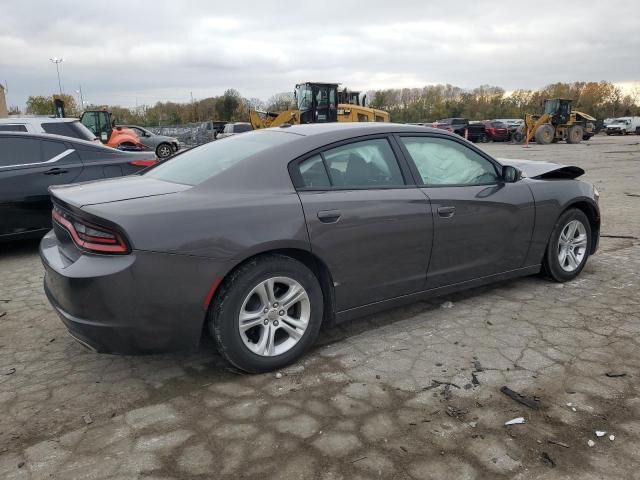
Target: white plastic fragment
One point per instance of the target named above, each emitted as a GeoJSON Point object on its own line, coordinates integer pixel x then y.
{"type": "Point", "coordinates": [600, 433]}
{"type": "Point", "coordinates": [612, 437]}
{"type": "Point", "coordinates": [574, 409]}
{"type": "Point", "coordinates": [569, 404]}
{"type": "Point", "coordinates": [591, 443]}
{"type": "Point", "coordinates": [278, 375]}
{"type": "Point", "coordinates": [447, 304]}
{"type": "Point", "coordinates": [516, 421]}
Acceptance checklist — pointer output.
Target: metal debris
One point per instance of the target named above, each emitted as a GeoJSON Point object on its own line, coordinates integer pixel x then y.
{"type": "Point", "coordinates": [529, 402]}
{"type": "Point", "coordinates": [556, 442]}
{"type": "Point", "coordinates": [11, 371]}
{"type": "Point", "coordinates": [516, 421]}
{"type": "Point", "coordinates": [615, 374]}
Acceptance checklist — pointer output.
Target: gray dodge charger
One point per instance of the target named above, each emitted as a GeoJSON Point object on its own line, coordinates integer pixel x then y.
{"type": "Point", "coordinates": [263, 237]}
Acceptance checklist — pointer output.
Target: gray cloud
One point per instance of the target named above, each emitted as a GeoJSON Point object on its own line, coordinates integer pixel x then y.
{"type": "Point", "coordinates": [134, 52]}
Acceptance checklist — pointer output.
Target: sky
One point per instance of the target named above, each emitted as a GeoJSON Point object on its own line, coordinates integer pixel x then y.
{"type": "Point", "coordinates": [133, 53]}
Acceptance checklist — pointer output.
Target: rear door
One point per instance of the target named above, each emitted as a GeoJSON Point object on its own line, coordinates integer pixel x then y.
{"type": "Point", "coordinates": [28, 166]}
{"type": "Point", "coordinates": [482, 225]}
{"type": "Point", "coordinates": [371, 227]}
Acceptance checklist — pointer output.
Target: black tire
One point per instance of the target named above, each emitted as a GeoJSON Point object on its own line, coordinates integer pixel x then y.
{"type": "Point", "coordinates": [224, 313]}
{"type": "Point", "coordinates": [551, 263]}
{"type": "Point", "coordinates": [575, 134]}
{"type": "Point", "coordinates": [545, 134]}
{"type": "Point", "coordinates": [164, 150]}
{"type": "Point", "coordinates": [518, 135]}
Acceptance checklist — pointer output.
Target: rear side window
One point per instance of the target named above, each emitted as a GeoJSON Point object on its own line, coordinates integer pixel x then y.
{"type": "Point", "coordinates": [69, 129]}
{"type": "Point", "coordinates": [19, 151]}
{"type": "Point", "coordinates": [241, 128]}
{"type": "Point", "coordinates": [201, 163]}
{"type": "Point", "coordinates": [13, 128]}
{"type": "Point", "coordinates": [52, 149]}
{"type": "Point", "coordinates": [313, 173]}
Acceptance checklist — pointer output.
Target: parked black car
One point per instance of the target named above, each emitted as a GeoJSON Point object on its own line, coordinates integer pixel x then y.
{"type": "Point", "coordinates": [264, 236]}
{"type": "Point", "coordinates": [474, 132]}
{"type": "Point", "coordinates": [30, 163]}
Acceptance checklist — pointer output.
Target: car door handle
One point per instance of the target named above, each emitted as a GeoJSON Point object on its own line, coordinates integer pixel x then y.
{"type": "Point", "coordinates": [55, 171]}
{"type": "Point", "coordinates": [446, 212]}
{"type": "Point", "coordinates": [329, 216]}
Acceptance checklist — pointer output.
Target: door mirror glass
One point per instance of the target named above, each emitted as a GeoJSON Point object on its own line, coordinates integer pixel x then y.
{"type": "Point", "coordinates": [511, 174]}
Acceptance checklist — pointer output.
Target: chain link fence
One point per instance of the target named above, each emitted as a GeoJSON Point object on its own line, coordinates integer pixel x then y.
{"type": "Point", "coordinates": [189, 134]}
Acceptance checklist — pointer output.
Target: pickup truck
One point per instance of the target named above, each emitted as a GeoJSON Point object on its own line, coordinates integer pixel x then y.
{"type": "Point", "coordinates": [475, 131]}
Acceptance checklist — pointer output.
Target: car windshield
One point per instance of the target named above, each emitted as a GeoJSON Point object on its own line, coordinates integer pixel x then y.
{"type": "Point", "coordinates": [201, 163]}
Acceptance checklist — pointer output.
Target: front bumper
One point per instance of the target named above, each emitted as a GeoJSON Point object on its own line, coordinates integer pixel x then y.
{"type": "Point", "coordinates": [143, 302]}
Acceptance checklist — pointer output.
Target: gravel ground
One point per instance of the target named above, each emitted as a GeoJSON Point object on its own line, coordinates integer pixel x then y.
{"type": "Point", "coordinates": [412, 393]}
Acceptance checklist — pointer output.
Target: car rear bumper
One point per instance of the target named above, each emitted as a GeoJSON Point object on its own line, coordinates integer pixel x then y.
{"type": "Point", "coordinates": [138, 303]}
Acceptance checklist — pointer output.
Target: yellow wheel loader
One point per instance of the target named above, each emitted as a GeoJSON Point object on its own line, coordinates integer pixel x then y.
{"type": "Point", "coordinates": [320, 103]}
{"type": "Point", "coordinates": [558, 122]}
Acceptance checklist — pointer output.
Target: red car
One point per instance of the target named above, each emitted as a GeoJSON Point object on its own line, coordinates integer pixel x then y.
{"type": "Point", "coordinates": [495, 132]}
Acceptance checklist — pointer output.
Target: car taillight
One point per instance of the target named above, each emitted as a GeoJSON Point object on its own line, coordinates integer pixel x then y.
{"type": "Point", "coordinates": [88, 236]}
{"type": "Point", "coordinates": [143, 163]}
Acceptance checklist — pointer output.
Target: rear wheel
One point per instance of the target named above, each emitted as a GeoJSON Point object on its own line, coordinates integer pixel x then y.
{"type": "Point", "coordinates": [575, 134]}
{"type": "Point", "coordinates": [568, 247]}
{"type": "Point", "coordinates": [164, 150]}
{"type": "Point", "coordinates": [268, 313]}
{"type": "Point", "coordinates": [545, 134]}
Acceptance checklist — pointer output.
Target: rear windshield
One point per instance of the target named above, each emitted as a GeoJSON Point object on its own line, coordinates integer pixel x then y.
{"type": "Point", "coordinates": [69, 129]}
{"type": "Point", "coordinates": [201, 163]}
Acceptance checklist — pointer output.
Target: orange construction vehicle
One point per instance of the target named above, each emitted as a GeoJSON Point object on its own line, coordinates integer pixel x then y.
{"type": "Point", "coordinates": [102, 124]}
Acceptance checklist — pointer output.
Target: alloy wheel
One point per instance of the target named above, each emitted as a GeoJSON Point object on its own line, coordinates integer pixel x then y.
{"type": "Point", "coordinates": [572, 245]}
{"type": "Point", "coordinates": [274, 316]}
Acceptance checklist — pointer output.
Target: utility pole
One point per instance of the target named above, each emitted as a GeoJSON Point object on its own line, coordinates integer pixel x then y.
{"type": "Point", "coordinates": [79, 91]}
{"type": "Point", "coordinates": [58, 61]}
{"type": "Point", "coordinates": [193, 107]}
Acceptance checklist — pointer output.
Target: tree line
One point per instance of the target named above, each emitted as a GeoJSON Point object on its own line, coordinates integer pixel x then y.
{"type": "Point", "coordinates": [426, 104]}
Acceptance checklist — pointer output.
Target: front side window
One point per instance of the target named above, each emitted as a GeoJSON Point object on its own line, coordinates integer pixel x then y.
{"type": "Point", "coordinates": [201, 163]}
{"type": "Point", "coordinates": [369, 163]}
{"type": "Point", "coordinates": [445, 162]}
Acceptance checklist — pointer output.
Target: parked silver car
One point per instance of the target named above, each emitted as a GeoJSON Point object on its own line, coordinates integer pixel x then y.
{"type": "Point", "coordinates": [164, 146]}
{"type": "Point", "coordinates": [67, 127]}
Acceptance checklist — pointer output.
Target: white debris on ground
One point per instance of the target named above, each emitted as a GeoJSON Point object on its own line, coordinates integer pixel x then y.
{"type": "Point", "coordinates": [516, 421]}
{"type": "Point", "coordinates": [591, 443]}
{"type": "Point", "coordinates": [447, 304]}
{"type": "Point", "coordinates": [600, 433]}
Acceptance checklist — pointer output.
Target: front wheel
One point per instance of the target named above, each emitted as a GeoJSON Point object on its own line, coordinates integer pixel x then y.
{"type": "Point", "coordinates": [268, 313]}
{"type": "Point", "coordinates": [568, 247]}
{"type": "Point", "coordinates": [164, 150]}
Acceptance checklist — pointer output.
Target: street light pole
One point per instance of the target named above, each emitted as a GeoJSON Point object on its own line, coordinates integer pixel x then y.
{"type": "Point", "coordinates": [58, 61]}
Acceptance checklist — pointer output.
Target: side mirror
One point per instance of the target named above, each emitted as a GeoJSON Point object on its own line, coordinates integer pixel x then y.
{"type": "Point", "coordinates": [104, 137]}
{"type": "Point", "coordinates": [511, 174]}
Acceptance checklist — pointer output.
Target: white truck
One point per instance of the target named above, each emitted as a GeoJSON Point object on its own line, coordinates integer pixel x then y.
{"type": "Point", "coordinates": [623, 126]}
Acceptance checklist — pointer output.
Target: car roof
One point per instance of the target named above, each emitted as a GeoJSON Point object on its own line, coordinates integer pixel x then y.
{"type": "Point", "coordinates": [52, 136]}
{"type": "Point", "coordinates": [348, 129]}
{"type": "Point", "coordinates": [37, 119]}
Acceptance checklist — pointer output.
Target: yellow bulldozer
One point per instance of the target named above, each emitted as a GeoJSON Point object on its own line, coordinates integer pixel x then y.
{"type": "Point", "coordinates": [318, 102]}
{"type": "Point", "coordinates": [558, 122]}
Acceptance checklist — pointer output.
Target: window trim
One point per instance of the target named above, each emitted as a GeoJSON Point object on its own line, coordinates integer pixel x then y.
{"type": "Point", "coordinates": [405, 171]}
{"type": "Point", "coordinates": [416, 174]}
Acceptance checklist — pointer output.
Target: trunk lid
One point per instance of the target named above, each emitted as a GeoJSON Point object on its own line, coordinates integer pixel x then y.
{"type": "Point", "coordinates": [113, 190]}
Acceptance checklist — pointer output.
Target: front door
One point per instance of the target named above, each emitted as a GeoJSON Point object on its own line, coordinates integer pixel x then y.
{"type": "Point", "coordinates": [482, 225]}
{"type": "Point", "coordinates": [369, 226]}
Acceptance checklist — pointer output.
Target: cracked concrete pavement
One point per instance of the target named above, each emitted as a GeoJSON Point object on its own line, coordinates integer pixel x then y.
{"type": "Point", "coordinates": [412, 393]}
